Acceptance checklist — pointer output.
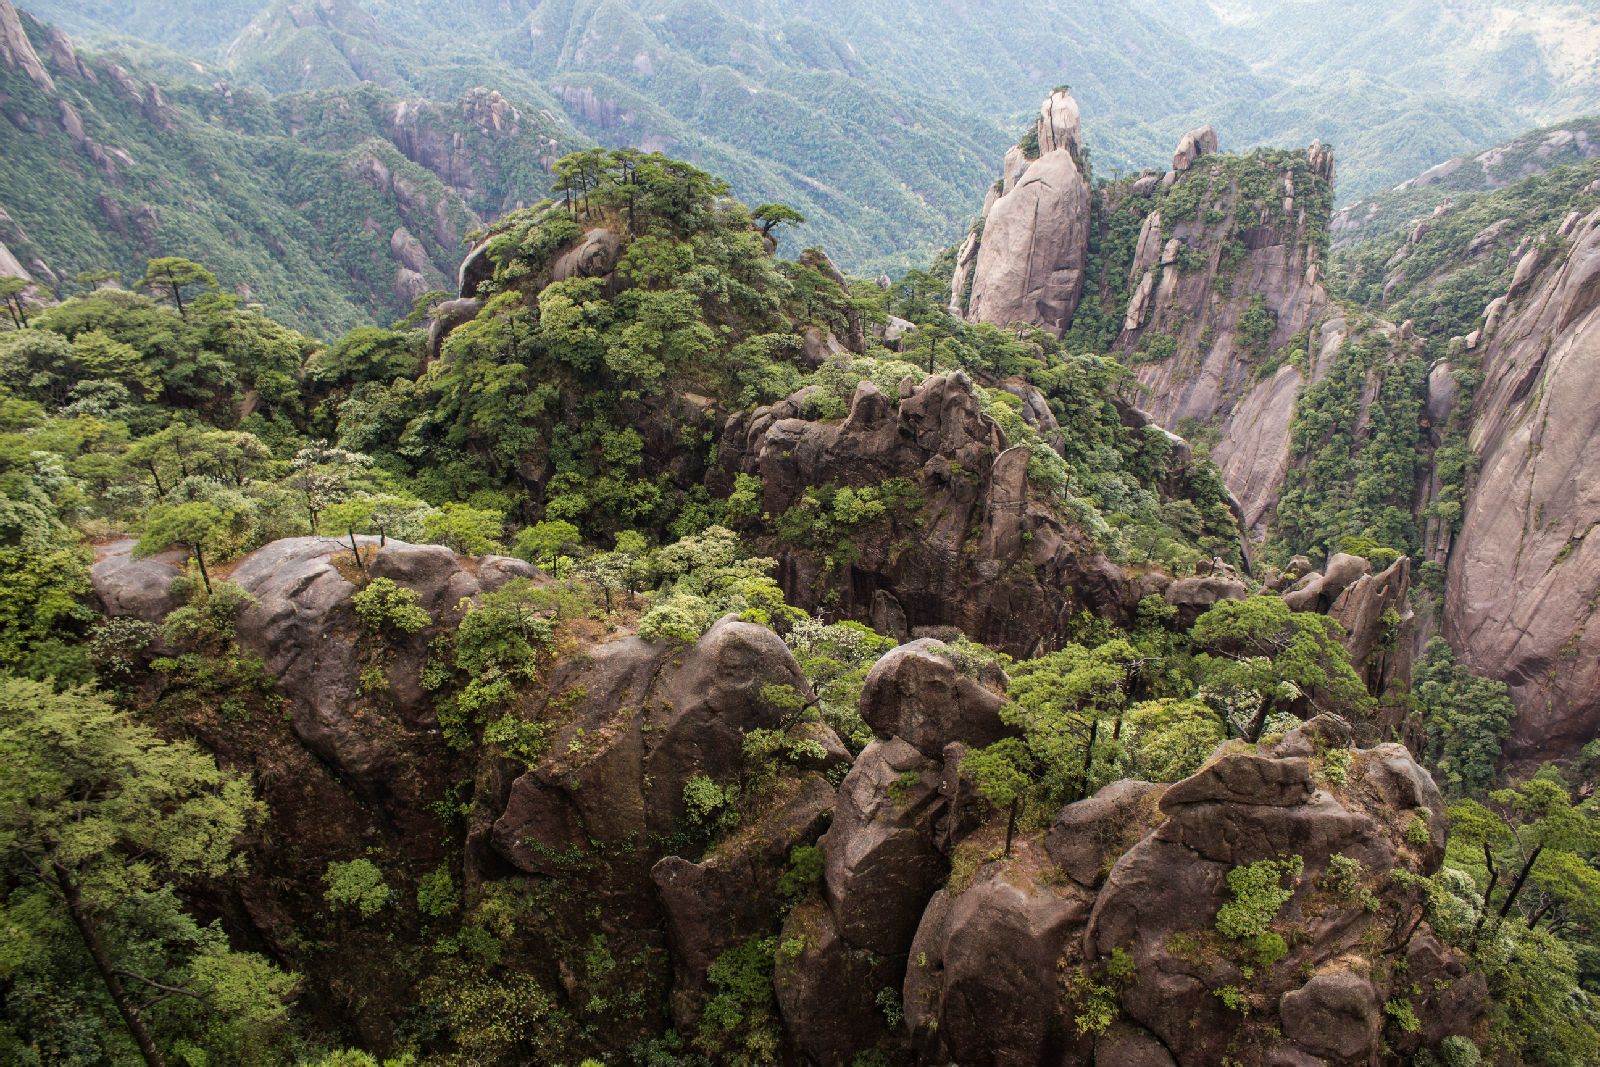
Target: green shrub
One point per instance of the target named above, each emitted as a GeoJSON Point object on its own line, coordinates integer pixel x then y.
{"type": "Point", "coordinates": [357, 884]}
{"type": "Point", "coordinates": [436, 893]}
{"type": "Point", "coordinates": [386, 606]}
{"type": "Point", "coordinates": [740, 1024]}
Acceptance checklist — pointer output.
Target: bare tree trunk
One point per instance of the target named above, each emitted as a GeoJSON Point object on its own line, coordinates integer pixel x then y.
{"type": "Point", "coordinates": [200, 558]}
{"type": "Point", "coordinates": [1494, 877]}
{"type": "Point", "coordinates": [108, 973]}
{"type": "Point", "coordinates": [1522, 877]}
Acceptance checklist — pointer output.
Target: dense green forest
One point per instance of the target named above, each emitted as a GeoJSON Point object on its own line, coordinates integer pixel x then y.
{"type": "Point", "coordinates": [574, 420]}
{"type": "Point", "coordinates": [876, 121]}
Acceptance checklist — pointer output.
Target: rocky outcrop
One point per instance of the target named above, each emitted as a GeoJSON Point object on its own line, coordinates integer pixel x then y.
{"type": "Point", "coordinates": [645, 718]}
{"type": "Point", "coordinates": [17, 52]}
{"type": "Point", "coordinates": [995, 951]}
{"type": "Point", "coordinates": [449, 140]}
{"type": "Point", "coordinates": [924, 930]}
{"type": "Point", "coordinates": [916, 692]}
{"type": "Point", "coordinates": [1029, 265]}
{"type": "Point", "coordinates": [303, 626]}
{"type": "Point", "coordinates": [1212, 372]}
{"type": "Point", "coordinates": [1035, 569]}
{"type": "Point", "coordinates": [1195, 143]}
{"type": "Point", "coordinates": [129, 588]}
{"type": "Point", "coordinates": [1142, 870]}
{"type": "Point", "coordinates": [885, 854]}
{"type": "Point", "coordinates": [1524, 573]}
{"type": "Point", "coordinates": [881, 863]}
{"type": "Point", "coordinates": [1163, 896]}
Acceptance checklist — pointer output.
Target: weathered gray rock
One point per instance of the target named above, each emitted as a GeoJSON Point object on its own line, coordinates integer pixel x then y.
{"type": "Point", "coordinates": [135, 588]}
{"type": "Point", "coordinates": [1193, 597]}
{"type": "Point", "coordinates": [646, 718]}
{"type": "Point", "coordinates": [1317, 592]}
{"type": "Point", "coordinates": [1213, 376]}
{"type": "Point", "coordinates": [827, 991]}
{"type": "Point", "coordinates": [1130, 1046]}
{"type": "Point", "coordinates": [1241, 808]}
{"type": "Point", "coordinates": [1090, 835]}
{"type": "Point", "coordinates": [1335, 1014]}
{"type": "Point", "coordinates": [888, 617]}
{"type": "Point", "coordinates": [445, 317]}
{"type": "Point", "coordinates": [476, 268]}
{"type": "Point", "coordinates": [1375, 611]}
{"type": "Point", "coordinates": [993, 952]}
{"type": "Point", "coordinates": [1523, 577]}
{"type": "Point", "coordinates": [1058, 123]}
{"type": "Point", "coordinates": [1030, 264]}
{"type": "Point", "coordinates": [1034, 567]}
{"type": "Point", "coordinates": [16, 51]}
{"type": "Point", "coordinates": [915, 692]}
{"type": "Point", "coordinates": [1448, 996]}
{"type": "Point", "coordinates": [880, 862]}
{"type": "Point", "coordinates": [593, 257]}
{"type": "Point", "coordinates": [1195, 143]}
{"type": "Point", "coordinates": [305, 630]}
{"type": "Point", "coordinates": [817, 345]}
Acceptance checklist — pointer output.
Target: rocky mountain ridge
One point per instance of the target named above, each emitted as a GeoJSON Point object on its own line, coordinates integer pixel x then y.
{"type": "Point", "coordinates": [1234, 337]}
{"type": "Point", "coordinates": [414, 178]}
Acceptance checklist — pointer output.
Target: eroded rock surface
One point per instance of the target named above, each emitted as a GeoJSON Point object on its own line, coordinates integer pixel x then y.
{"type": "Point", "coordinates": [1029, 266]}
{"type": "Point", "coordinates": [1033, 570]}
{"type": "Point", "coordinates": [1524, 573]}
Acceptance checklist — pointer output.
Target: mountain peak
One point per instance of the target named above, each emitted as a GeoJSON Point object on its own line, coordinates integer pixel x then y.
{"type": "Point", "coordinates": [1058, 122]}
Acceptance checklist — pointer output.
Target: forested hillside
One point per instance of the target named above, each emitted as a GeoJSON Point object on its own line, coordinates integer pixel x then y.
{"type": "Point", "coordinates": [842, 645]}
{"type": "Point", "coordinates": [333, 209]}
{"type": "Point", "coordinates": [482, 589]}
{"type": "Point", "coordinates": [875, 120]}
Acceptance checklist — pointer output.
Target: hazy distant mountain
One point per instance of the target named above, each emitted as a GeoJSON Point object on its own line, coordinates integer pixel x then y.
{"type": "Point", "coordinates": [881, 121]}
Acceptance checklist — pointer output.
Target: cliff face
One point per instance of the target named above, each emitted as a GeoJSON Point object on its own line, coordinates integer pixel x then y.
{"type": "Point", "coordinates": [1209, 277]}
{"type": "Point", "coordinates": [1523, 578]}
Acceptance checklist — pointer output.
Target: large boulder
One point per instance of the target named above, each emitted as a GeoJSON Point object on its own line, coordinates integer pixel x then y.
{"type": "Point", "coordinates": [1091, 834]}
{"type": "Point", "coordinates": [640, 719]}
{"type": "Point", "coordinates": [918, 694]}
{"type": "Point", "coordinates": [998, 950]}
{"type": "Point", "coordinates": [1161, 901]}
{"type": "Point", "coordinates": [880, 860]}
{"type": "Point", "coordinates": [828, 990]}
{"type": "Point", "coordinates": [1317, 592]}
{"type": "Point", "coordinates": [1335, 1015]}
{"type": "Point", "coordinates": [303, 626]}
{"type": "Point", "coordinates": [125, 587]}
{"type": "Point", "coordinates": [1193, 597]}
{"type": "Point", "coordinates": [1375, 611]}
{"type": "Point", "coordinates": [1195, 143]}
